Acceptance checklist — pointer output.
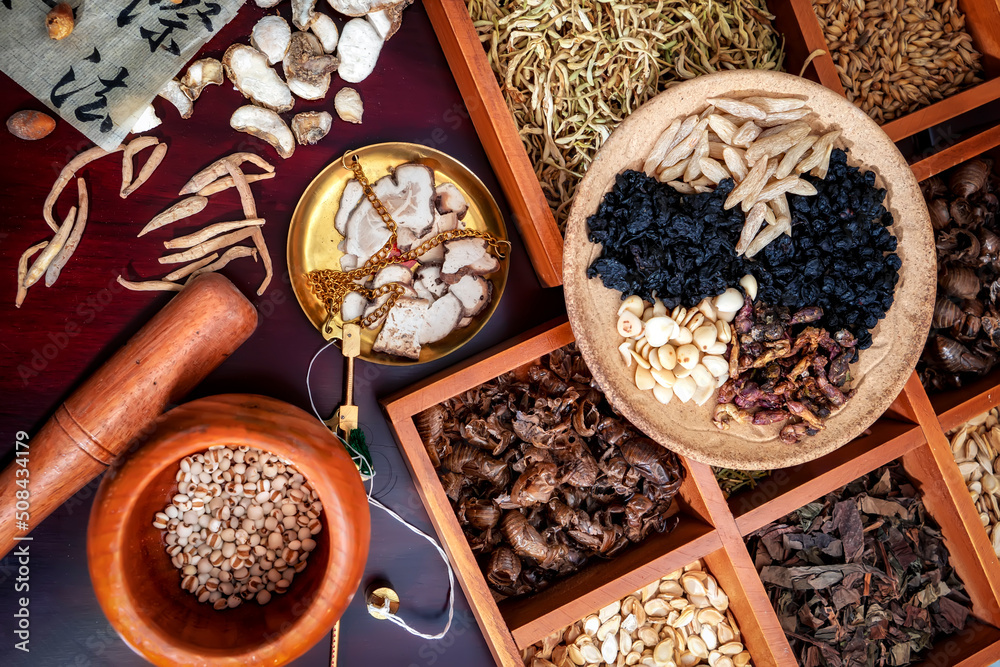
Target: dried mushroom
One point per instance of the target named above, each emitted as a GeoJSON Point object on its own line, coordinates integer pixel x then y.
{"type": "Point", "coordinates": [146, 121]}
{"type": "Point", "coordinates": [173, 93]}
{"type": "Point", "coordinates": [201, 73]}
{"type": "Point", "coordinates": [359, 48]}
{"type": "Point", "coordinates": [264, 124]}
{"type": "Point", "coordinates": [311, 126]}
{"type": "Point", "coordinates": [543, 474]}
{"type": "Point", "coordinates": [326, 30]}
{"type": "Point", "coordinates": [247, 68]}
{"type": "Point", "coordinates": [348, 104]}
{"type": "Point", "coordinates": [307, 69]}
{"type": "Point", "coordinates": [271, 36]}
{"type": "Point", "coordinates": [363, 7]}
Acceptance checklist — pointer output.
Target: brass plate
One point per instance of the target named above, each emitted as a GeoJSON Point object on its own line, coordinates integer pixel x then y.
{"type": "Point", "coordinates": [313, 240]}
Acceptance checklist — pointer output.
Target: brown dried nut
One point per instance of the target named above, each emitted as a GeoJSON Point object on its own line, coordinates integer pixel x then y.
{"type": "Point", "coordinates": [201, 73]}
{"type": "Point", "coordinates": [59, 21]}
{"type": "Point", "coordinates": [310, 127]}
{"type": "Point", "coordinates": [247, 68]}
{"type": "Point", "coordinates": [31, 125]}
{"type": "Point", "coordinates": [348, 104]}
{"type": "Point", "coordinates": [264, 124]}
{"type": "Point", "coordinates": [359, 48]}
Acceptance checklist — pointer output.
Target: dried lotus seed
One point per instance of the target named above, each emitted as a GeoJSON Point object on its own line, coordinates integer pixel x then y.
{"type": "Point", "coordinates": [702, 377]}
{"type": "Point", "coordinates": [654, 359]}
{"type": "Point", "coordinates": [668, 356]}
{"type": "Point", "coordinates": [639, 359]}
{"type": "Point", "coordinates": [729, 301]}
{"type": "Point", "coordinates": [633, 304]}
{"type": "Point", "coordinates": [707, 309]}
{"type": "Point", "coordinates": [659, 330]}
{"type": "Point", "coordinates": [688, 356]}
{"type": "Point", "coordinates": [702, 394]}
{"type": "Point", "coordinates": [749, 283]}
{"type": "Point", "coordinates": [629, 325]}
{"type": "Point", "coordinates": [727, 316]}
{"type": "Point", "coordinates": [678, 313]}
{"type": "Point", "coordinates": [664, 378]}
{"type": "Point", "coordinates": [716, 348]}
{"type": "Point", "coordinates": [681, 372]}
{"type": "Point", "coordinates": [644, 379]}
{"type": "Point", "coordinates": [715, 364]}
{"type": "Point", "coordinates": [682, 337]}
{"type": "Point", "coordinates": [625, 349]}
{"type": "Point", "coordinates": [659, 309]}
{"type": "Point", "coordinates": [662, 394]}
{"type": "Point", "coordinates": [704, 336]}
{"type": "Point", "coordinates": [684, 389]}
{"type": "Point", "coordinates": [724, 331]}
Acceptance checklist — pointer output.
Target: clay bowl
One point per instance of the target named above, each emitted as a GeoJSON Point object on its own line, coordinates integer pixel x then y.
{"type": "Point", "coordinates": [882, 369]}
{"type": "Point", "coordinates": [139, 589]}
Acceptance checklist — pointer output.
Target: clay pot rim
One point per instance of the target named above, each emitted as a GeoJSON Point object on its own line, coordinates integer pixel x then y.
{"type": "Point", "coordinates": [123, 484]}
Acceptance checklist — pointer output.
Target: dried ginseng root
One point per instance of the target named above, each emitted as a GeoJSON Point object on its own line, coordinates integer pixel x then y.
{"type": "Point", "coordinates": [38, 269]}
{"type": "Point", "coordinates": [233, 253]}
{"type": "Point", "coordinates": [226, 182]}
{"type": "Point", "coordinates": [681, 619]}
{"type": "Point", "coordinates": [211, 245]}
{"type": "Point", "coordinates": [56, 267]}
{"type": "Point", "coordinates": [862, 575]}
{"type": "Point", "coordinates": [182, 209]}
{"type": "Point", "coordinates": [217, 169]}
{"type": "Point", "coordinates": [149, 285]}
{"type": "Point", "coordinates": [147, 169]}
{"type": "Point", "coordinates": [22, 271]}
{"type": "Point", "coordinates": [131, 150]}
{"type": "Point", "coordinates": [67, 174]}
{"type": "Point", "coordinates": [250, 211]}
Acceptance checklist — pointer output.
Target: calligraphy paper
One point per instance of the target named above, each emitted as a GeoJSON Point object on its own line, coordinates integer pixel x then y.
{"type": "Point", "coordinates": [119, 56]}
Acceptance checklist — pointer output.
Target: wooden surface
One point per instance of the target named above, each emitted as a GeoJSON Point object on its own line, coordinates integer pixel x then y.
{"type": "Point", "coordinates": [881, 370]}
{"type": "Point", "coordinates": [63, 334]}
{"type": "Point", "coordinates": [176, 350]}
{"type": "Point", "coordinates": [137, 585]}
{"type": "Point", "coordinates": [499, 136]}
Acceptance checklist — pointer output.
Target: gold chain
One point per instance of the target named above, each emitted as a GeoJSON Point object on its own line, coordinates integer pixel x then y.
{"type": "Point", "coordinates": [332, 287]}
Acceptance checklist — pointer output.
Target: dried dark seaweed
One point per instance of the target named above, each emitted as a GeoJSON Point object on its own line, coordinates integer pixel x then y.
{"type": "Point", "coordinates": [543, 474]}
{"type": "Point", "coordinates": [861, 576]}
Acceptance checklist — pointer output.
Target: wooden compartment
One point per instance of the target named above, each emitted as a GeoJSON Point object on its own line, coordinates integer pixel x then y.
{"type": "Point", "coordinates": [982, 23]}
{"type": "Point", "coordinates": [971, 555]}
{"type": "Point", "coordinates": [499, 134]}
{"type": "Point", "coordinates": [517, 623]}
{"type": "Point", "coordinates": [711, 528]}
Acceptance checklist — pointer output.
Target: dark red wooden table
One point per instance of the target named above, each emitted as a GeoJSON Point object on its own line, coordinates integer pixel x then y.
{"type": "Point", "coordinates": [63, 333]}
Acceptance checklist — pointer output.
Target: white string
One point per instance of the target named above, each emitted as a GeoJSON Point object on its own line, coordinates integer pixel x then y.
{"type": "Point", "coordinates": [367, 469]}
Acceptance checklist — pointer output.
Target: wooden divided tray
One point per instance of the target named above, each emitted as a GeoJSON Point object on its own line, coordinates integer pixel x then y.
{"type": "Point", "coordinates": [794, 19]}
{"type": "Point", "coordinates": [712, 527]}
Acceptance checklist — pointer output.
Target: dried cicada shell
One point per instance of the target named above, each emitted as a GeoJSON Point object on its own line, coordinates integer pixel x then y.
{"type": "Point", "coordinates": [959, 281]}
{"type": "Point", "coordinates": [946, 313]}
{"type": "Point", "coordinates": [970, 177]}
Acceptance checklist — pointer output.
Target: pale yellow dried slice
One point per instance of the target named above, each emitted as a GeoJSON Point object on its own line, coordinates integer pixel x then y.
{"type": "Point", "coordinates": [150, 285]}
{"type": "Point", "coordinates": [738, 108]}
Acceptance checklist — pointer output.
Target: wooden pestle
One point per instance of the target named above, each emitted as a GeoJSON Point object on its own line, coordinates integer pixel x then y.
{"type": "Point", "coordinates": [119, 403]}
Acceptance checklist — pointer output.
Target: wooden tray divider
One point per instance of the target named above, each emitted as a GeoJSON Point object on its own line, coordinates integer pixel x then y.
{"type": "Point", "coordinates": [499, 136]}
{"type": "Point", "coordinates": [787, 489]}
{"type": "Point", "coordinates": [796, 19]}
{"type": "Point", "coordinates": [954, 408]}
{"type": "Point", "coordinates": [735, 572]}
{"type": "Point", "coordinates": [978, 645]}
{"type": "Point", "coordinates": [954, 155]}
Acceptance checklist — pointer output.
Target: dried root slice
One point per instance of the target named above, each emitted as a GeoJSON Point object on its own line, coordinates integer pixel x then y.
{"type": "Point", "coordinates": [41, 264]}
{"type": "Point", "coordinates": [228, 256]}
{"type": "Point", "coordinates": [67, 174]}
{"type": "Point", "coordinates": [359, 48]}
{"type": "Point", "coordinates": [146, 121]}
{"type": "Point", "coordinates": [201, 73]}
{"type": "Point", "coordinates": [22, 272]}
{"type": "Point", "coordinates": [173, 93]}
{"type": "Point", "coordinates": [226, 182]}
{"type": "Point", "coordinates": [349, 106]}
{"type": "Point", "coordinates": [308, 91]}
{"type": "Point", "coordinates": [133, 147]}
{"type": "Point", "coordinates": [247, 68]}
{"type": "Point", "coordinates": [362, 7]}
{"type": "Point", "coordinates": [267, 3]}
{"type": "Point", "coordinates": [271, 37]}
{"type": "Point", "coordinates": [218, 168]}
{"type": "Point", "coordinates": [303, 13]}
{"type": "Point", "coordinates": [208, 247]}
{"type": "Point", "coordinates": [250, 211]}
{"type": "Point", "coordinates": [307, 69]}
{"type": "Point", "coordinates": [264, 124]}
{"type": "Point", "coordinates": [326, 30]}
{"type": "Point", "coordinates": [211, 231]}
{"type": "Point", "coordinates": [182, 209]}
{"type": "Point", "coordinates": [150, 285]}
{"type": "Point", "coordinates": [310, 127]}
{"type": "Point", "coordinates": [188, 269]}
{"type": "Point", "coordinates": [56, 267]}
{"type": "Point", "coordinates": [387, 21]}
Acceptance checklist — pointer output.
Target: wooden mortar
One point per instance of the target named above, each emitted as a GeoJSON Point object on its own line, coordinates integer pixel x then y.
{"type": "Point", "coordinates": [113, 409]}
{"type": "Point", "coordinates": [139, 588]}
